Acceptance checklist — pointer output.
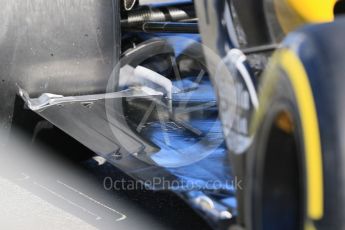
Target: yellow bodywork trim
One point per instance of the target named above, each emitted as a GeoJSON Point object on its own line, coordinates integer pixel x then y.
{"type": "Point", "coordinates": [311, 133]}
{"type": "Point", "coordinates": [314, 10]}
{"type": "Point", "coordinates": [294, 13]}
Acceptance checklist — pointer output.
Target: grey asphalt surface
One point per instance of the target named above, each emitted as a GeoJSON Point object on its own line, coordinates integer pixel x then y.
{"type": "Point", "coordinates": [54, 183]}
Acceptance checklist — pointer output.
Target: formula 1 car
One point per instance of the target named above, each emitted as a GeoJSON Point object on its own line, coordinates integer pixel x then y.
{"type": "Point", "coordinates": [235, 105]}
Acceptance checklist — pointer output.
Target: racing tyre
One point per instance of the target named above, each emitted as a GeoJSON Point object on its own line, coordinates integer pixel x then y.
{"type": "Point", "coordinates": [296, 173]}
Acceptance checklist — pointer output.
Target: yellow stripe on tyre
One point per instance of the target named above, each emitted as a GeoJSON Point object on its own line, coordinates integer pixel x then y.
{"type": "Point", "coordinates": [288, 61]}
{"type": "Point", "coordinates": [311, 133]}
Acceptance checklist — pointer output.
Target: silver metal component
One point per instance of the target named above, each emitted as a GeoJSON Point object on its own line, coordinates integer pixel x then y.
{"type": "Point", "coordinates": [47, 99]}
{"type": "Point", "coordinates": [225, 215]}
{"type": "Point", "coordinates": [160, 14]}
{"type": "Point", "coordinates": [129, 4]}
{"type": "Point", "coordinates": [141, 72]}
{"type": "Point", "coordinates": [204, 202]}
{"type": "Point", "coordinates": [97, 121]}
{"type": "Point", "coordinates": [117, 156]}
{"type": "Point", "coordinates": [170, 27]}
{"type": "Point", "coordinates": [147, 15]}
{"type": "Point", "coordinates": [212, 207]}
{"type": "Point", "coordinates": [148, 2]}
{"type": "Point", "coordinates": [230, 26]}
{"type": "Point", "coordinates": [99, 160]}
{"type": "Point", "coordinates": [142, 76]}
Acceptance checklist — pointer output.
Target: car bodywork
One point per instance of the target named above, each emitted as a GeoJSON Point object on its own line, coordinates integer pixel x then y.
{"type": "Point", "coordinates": [62, 58]}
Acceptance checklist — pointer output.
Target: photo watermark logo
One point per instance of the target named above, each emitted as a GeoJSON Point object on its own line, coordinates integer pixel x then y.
{"type": "Point", "coordinates": [172, 102]}
{"type": "Point", "coordinates": [110, 183]}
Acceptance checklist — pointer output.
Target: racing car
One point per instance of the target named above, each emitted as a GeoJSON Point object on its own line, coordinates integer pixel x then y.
{"type": "Point", "coordinates": [235, 105]}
